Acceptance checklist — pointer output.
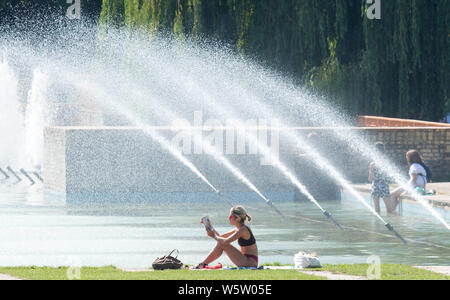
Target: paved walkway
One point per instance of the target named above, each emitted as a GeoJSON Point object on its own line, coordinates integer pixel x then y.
{"type": "Point", "coordinates": [326, 274]}
{"type": "Point", "coordinates": [8, 277]}
{"type": "Point", "coordinates": [441, 199]}
{"type": "Point", "coordinates": [437, 269]}
{"type": "Point", "coordinates": [333, 276]}
{"type": "Point", "coordinates": [136, 270]}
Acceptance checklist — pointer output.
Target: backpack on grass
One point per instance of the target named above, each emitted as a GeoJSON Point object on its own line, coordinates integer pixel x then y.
{"type": "Point", "coordinates": [167, 262]}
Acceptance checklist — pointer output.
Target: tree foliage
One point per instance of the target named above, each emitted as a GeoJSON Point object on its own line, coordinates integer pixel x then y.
{"type": "Point", "coordinates": [396, 66]}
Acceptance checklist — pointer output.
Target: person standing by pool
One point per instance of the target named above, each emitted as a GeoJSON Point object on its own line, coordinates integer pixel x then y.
{"type": "Point", "coordinates": [417, 177]}
{"type": "Point", "coordinates": [248, 255]}
{"type": "Point", "coordinates": [380, 183]}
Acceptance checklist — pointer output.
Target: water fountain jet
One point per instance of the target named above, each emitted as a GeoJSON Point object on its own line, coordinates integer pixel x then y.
{"type": "Point", "coordinates": [25, 173]}
{"type": "Point", "coordinates": [10, 170]}
{"type": "Point", "coordinates": [4, 174]}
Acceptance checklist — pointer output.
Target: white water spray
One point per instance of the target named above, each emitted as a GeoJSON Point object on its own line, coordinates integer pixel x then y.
{"type": "Point", "coordinates": [102, 97]}
{"type": "Point", "coordinates": [164, 112]}
{"type": "Point", "coordinates": [11, 118]}
{"type": "Point", "coordinates": [36, 118]}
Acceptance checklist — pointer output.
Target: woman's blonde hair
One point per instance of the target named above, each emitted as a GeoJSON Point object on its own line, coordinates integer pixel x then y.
{"type": "Point", "coordinates": [240, 212]}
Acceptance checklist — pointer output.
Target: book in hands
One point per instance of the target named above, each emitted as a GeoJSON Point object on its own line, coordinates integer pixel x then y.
{"type": "Point", "coordinates": [207, 223]}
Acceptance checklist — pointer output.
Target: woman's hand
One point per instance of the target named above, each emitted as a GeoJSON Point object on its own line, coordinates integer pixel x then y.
{"type": "Point", "coordinates": [210, 233]}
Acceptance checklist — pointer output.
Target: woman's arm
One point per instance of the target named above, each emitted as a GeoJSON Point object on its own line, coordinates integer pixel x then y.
{"type": "Point", "coordinates": [225, 235]}
{"type": "Point", "coordinates": [371, 173]}
{"type": "Point", "coordinates": [235, 234]}
{"type": "Point", "coordinates": [213, 234]}
{"type": "Point", "coordinates": [413, 178]}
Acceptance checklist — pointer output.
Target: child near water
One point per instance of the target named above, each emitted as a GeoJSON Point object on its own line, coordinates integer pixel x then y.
{"type": "Point", "coordinates": [380, 183]}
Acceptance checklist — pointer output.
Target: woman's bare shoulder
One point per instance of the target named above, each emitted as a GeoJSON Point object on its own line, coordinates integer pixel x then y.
{"type": "Point", "coordinates": [244, 230]}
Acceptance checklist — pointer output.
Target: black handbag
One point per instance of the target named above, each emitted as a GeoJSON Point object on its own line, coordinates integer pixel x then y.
{"type": "Point", "coordinates": [167, 262]}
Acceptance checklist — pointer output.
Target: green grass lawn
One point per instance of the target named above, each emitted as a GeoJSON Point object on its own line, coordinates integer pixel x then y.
{"type": "Point", "coordinates": [388, 272]}
{"type": "Point", "coordinates": [111, 273]}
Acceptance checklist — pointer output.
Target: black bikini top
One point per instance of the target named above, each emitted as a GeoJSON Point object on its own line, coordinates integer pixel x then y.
{"type": "Point", "coordinates": [249, 242]}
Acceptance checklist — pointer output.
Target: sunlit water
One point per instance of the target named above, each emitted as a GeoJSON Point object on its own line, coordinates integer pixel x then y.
{"type": "Point", "coordinates": [141, 74]}
{"type": "Point", "coordinates": [41, 229]}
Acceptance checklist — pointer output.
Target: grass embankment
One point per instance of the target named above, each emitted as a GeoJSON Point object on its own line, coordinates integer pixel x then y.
{"type": "Point", "coordinates": [388, 272]}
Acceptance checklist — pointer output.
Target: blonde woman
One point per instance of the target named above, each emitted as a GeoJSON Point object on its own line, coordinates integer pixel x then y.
{"type": "Point", "coordinates": [247, 256]}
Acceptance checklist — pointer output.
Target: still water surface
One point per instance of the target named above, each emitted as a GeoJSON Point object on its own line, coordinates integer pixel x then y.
{"type": "Point", "coordinates": [39, 228]}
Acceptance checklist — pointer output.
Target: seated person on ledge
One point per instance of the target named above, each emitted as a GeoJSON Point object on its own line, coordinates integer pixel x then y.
{"type": "Point", "coordinates": [417, 177]}
{"type": "Point", "coordinates": [248, 255]}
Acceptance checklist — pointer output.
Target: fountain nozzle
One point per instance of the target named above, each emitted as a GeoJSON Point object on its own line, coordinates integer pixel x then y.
{"type": "Point", "coordinates": [223, 197]}
{"type": "Point", "coordinates": [14, 173]}
{"type": "Point", "coordinates": [4, 173]}
{"type": "Point", "coordinates": [25, 173]}
{"type": "Point", "coordinates": [329, 216]}
{"type": "Point", "coordinates": [391, 228]}
{"type": "Point", "coordinates": [274, 208]}
{"type": "Point", "coordinates": [36, 174]}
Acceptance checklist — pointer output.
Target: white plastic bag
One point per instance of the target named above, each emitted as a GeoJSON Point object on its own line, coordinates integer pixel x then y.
{"type": "Point", "coordinates": [303, 260]}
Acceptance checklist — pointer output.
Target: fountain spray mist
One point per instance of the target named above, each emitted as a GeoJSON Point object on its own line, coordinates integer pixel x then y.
{"type": "Point", "coordinates": [164, 113]}
{"type": "Point", "coordinates": [322, 163]}
{"type": "Point", "coordinates": [101, 95]}
{"type": "Point", "coordinates": [194, 67]}
{"type": "Point", "coordinates": [264, 150]}
{"type": "Point", "coordinates": [220, 158]}
{"type": "Point", "coordinates": [321, 112]}
{"type": "Point", "coordinates": [10, 115]}
{"type": "Point", "coordinates": [317, 113]}
{"type": "Point", "coordinates": [246, 80]}
{"type": "Point", "coordinates": [192, 88]}
{"type": "Point", "coordinates": [36, 119]}
{"type": "Point", "coordinates": [326, 166]}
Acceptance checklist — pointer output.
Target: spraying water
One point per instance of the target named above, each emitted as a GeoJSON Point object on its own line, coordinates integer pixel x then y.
{"type": "Point", "coordinates": [36, 118]}
{"type": "Point", "coordinates": [100, 96]}
{"type": "Point", "coordinates": [11, 141]}
{"type": "Point", "coordinates": [242, 79]}
{"type": "Point", "coordinates": [194, 92]}
{"type": "Point", "coordinates": [321, 162]}
{"type": "Point", "coordinates": [326, 166]}
{"type": "Point", "coordinates": [189, 67]}
{"type": "Point", "coordinates": [164, 112]}
{"type": "Point", "coordinates": [264, 150]}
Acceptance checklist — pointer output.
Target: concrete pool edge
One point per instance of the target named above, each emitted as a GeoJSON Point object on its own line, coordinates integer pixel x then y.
{"type": "Point", "coordinates": [440, 200]}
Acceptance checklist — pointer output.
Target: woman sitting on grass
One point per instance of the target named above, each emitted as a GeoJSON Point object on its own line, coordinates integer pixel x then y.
{"type": "Point", "coordinates": [248, 255]}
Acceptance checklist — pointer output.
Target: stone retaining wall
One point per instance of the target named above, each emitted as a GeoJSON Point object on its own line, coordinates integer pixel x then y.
{"type": "Point", "coordinates": [372, 121]}
{"type": "Point", "coordinates": [88, 159]}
